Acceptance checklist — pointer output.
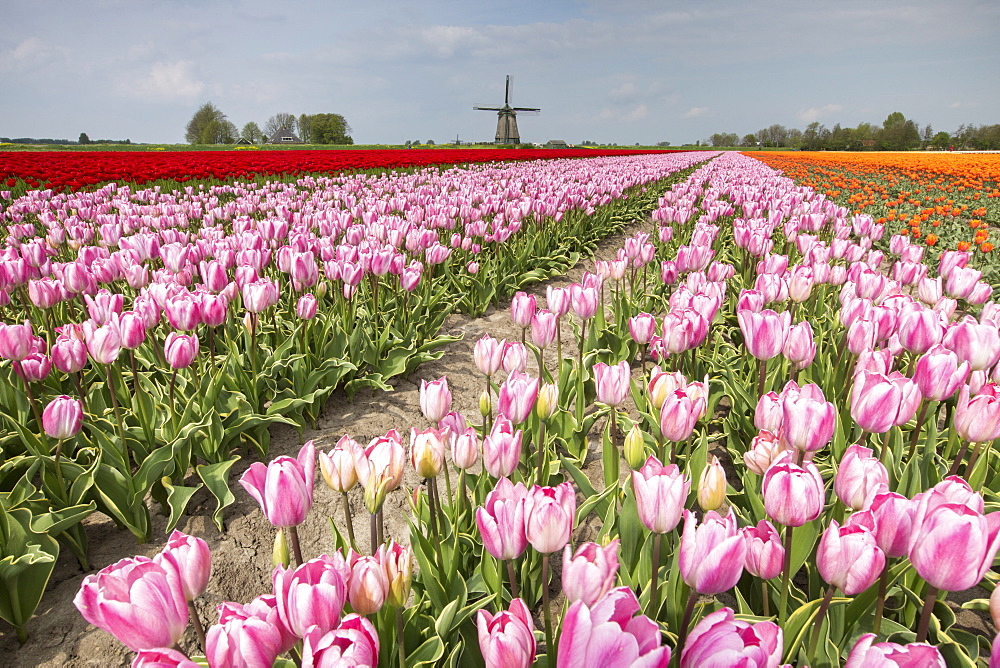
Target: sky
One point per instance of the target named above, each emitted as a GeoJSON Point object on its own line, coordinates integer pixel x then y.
{"type": "Point", "coordinates": [609, 71]}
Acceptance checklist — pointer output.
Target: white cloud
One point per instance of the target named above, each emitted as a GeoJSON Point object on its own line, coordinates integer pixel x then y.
{"type": "Point", "coordinates": [167, 82]}
{"type": "Point", "coordinates": [695, 112]}
{"type": "Point", "coordinates": [815, 113]}
{"type": "Point", "coordinates": [31, 52]}
{"type": "Point", "coordinates": [637, 114]}
{"type": "Point", "coordinates": [954, 105]}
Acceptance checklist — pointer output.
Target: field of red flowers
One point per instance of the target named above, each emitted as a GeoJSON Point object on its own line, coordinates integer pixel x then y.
{"type": "Point", "coordinates": [80, 169]}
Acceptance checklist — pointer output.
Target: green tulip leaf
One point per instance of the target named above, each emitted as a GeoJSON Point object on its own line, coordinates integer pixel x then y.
{"type": "Point", "coordinates": [177, 499]}
{"type": "Point", "coordinates": [216, 479]}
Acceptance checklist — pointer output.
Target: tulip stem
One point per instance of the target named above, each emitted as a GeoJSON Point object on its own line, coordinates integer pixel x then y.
{"type": "Point", "coordinates": [79, 390]}
{"type": "Point", "coordinates": [199, 629]}
{"type": "Point", "coordinates": [373, 531]}
{"type": "Point", "coordinates": [820, 616]}
{"type": "Point", "coordinates": [540, 446]}
{"type": "Point", "coordinates": [349, 520]}
{"type": "Point", "coordinates": [766, 597]}
{"type": "Point", "coordinates": [685, 621]}
{"type": "Point", "coordinates": [925, 615]}
{"type": "Point", "coordinates": [118, 411]}
{"type": "Point", "coordinates": [654, 583]}
{"type": "Point", "coordinates": [293, 533]}
{"type": "Point", "coordinates": [786, 576]}
{"type": "Point", "coordinates": [762, 377]}
{"type": "Point", "coordinates": [550, 647]}
{"type": "Point", "coordinates": [916, 430]}
{"type": "Point", "coordinates": [381, 528]}
{"type": "Point", "coordinates": [973, 459]}
{"type": "Point", "coordinates": [514, 592]}
{"type": "Point", "coordinates": [958, 459]}
{"type": "Point", "coordinates": [400, 638]}
{"type": "Point", "coordinates": [883, 586]}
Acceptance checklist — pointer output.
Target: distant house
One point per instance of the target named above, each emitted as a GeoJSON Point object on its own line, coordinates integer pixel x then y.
{"type": "Point", "coordinates": [284, 136]}
{"type": "Point", "coordinates": [556, 143]}
{"type": "Point", "coordinates": [243, 141]}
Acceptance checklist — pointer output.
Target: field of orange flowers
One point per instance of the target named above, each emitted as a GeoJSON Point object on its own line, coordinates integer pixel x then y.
{"type": "Point", "coordinates": [947, 200]}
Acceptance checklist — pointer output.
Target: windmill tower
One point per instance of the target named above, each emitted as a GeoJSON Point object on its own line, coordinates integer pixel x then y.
{"type": "Point", "coordinates": [507, 132]}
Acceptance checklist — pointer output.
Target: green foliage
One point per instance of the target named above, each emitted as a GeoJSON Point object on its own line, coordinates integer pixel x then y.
{"type": "Point", "coordinates": [206, 126]}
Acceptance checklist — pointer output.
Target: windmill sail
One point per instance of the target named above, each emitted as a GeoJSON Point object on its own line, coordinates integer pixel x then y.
{"type": "Point", "coordinates": [507, 132]}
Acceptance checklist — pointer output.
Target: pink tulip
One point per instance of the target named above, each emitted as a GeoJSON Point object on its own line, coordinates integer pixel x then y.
{"type": "Point", "coordinates": [69, 354]}
{"type": "Point", "coordinates": [163, 657]}
{"type": "Point", "coordinates": [642, 328]}
{"type": "Point", "coordinates": [977, 420]}
{"type": "Point", "coordinates": [609, 634]}
{"type": "Point", "coordinates": [764, 449]}
{"type": "Point", "coordinates": [764, 333]}
{"type": "Point", "coordinates": [919, 330]}
{"type": "Point", "coordinates": [849, 558]}
{"type": "Point", "coordinates": [893, 516]}
{"type": "Point", "coordinates": [190, 559]}
{"type": "Point", "coordinates": [584, 301]}
{"type": "Point", "coordinates": [978, 344]}
{"type": "Point", "coordinates": [501, 520]}
{"type": "Point", "coordinates": [793, 494]}
{"type": "Point", "coordinates": [507, 639]}
{"type": "Point", "coordinates": [612, 382]}
{"type": "Point", "coordinates": [103, 343]}
{"type": "Point", "coordinates": [427, 452]}
{"type": "Point", "coordinates": [808, 421]}
{"type": "Point", "coordinates": [800, 348]}
{"type": "Point", "coordinates": [132, 328]}
{"type": "Point", "coordinates": [679, 413]}
{"type": "Point", "coordinates": [312, 594]}
{"type": "Point", "coordinates": [465, 448]}
{"type": "Point", "coordinates": [864, 654]}
{"type": "Point", "coordinates": [660, 493]}
{"type": "Point", "coordinates": [183, 312]}
{"type": "Point", "coordinates": [353, 643]}
{"type": "Point", "coordinates": [180, 349]}
{"type": "Point", "coordinates": [383, 458]}
{"type": "Point", "coordinates": [242, 638]}
{"type": "Point", "coordinates": [858, 474]}
{"type": "Point", "coordinates": [15, 341]}
{"type": "Point", "coordinates": [488, 354]}
{"type": "Point", "coordinates": [720, 639]}
{"type": "Point", "coordinates": [367, 586]}
{"type": "Point", "coordinates": [63, 417]}
{"type": "Point", "coordinates": [544, 325]}
{"type": "Point", "coordinates": [549, 514]}
{"type": "Point", "coordinates": [502, 448]}
{"type": "Point", "coordinates": [515, 357]}
{"type": "Point", "coordinates": [938, 373]}
{"type": "Point", "coordinates": [34, 368]}
{"type": "Point", "coordinates": [517, 397]}
{"type": "Point", "coordinates": [765, 551]}
{"type": "Point", "coordinates": [283, 488]}
{"type": "Point", "coordinates": [338, 466]}
{"type": "Point", "coordinates": [589, 573]}
{"type": "Point", "coordinates": [879, 402]}
{"type": "Point", "coordinates": [712, 553]}
{"type": "Point", "coordinates": [557, 300]}
{"type": "Point", "coordinates": [306, 306]}
{"type": "Point", "coordinates": [136, 601]}
{"type": "Point", "coordinates": [435, 398]}
{"type": "Point", "coordinates": [800, 283]}
{"type": "Point", "coordinates": [953, 545]}
{"type": "Point", "coordinates": [522, 309]}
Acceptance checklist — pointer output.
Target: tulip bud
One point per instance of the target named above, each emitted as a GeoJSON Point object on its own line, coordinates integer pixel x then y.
{"type": "Point", "coordinates": [485, 404]}
{"type": "Point", "coordinates": [376, 491]}
{"type": "Point", "coordinates": [635, 447]}
{"type": "Point", "coordinates": [712, 485]}
{"type": "Point", "coordinates": [279, 554]}
{"type": "Point", "coordinates": [548, 401]}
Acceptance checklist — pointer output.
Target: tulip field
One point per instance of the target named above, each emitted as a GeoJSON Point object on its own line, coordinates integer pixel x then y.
{"type": "Point", "coordinates": [753, 428]}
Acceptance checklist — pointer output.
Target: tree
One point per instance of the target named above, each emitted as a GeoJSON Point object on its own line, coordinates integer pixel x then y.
{"type": "Point", "coordinates": [228, 134]}
{"type": "Point", "coordinates": [898, 133]}
{"type": "Point", "coordinates": [305, 131]}
{"type": "Point", "coordinates": [659, 143]}
{"type": "Point", "coordinates": [941, 140]}
{"type": "Point", "coordinates": [206, 115]}
{"type": "Point", "coordinates": [281, 122]}
{"type": "Point", "coordinates": [84, 139]}
{"type": "Point", "coordinates": [749, 140]}
{"type": "Point", "coordinates": [329, 129]}
{"type": "Point", "coordinates": [723, 139]}
{"type": "Point", "coordinates": [252, 133]}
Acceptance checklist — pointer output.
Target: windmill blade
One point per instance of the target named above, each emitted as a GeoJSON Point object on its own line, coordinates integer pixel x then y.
{"type": "Point", "coordinates": [486, 108]}
{"type": "Point", "coordinates": [525, 109]}
{"type": "Point", "coordinates": [506, 95]}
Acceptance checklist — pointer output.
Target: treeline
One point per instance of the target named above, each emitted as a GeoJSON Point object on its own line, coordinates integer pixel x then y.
{"type": "Point", "coordinates": [209, 125]}
{"type": "Point", "coordinates": [897, 133]}
{"type": "Point", "coordinates": [84, 139]}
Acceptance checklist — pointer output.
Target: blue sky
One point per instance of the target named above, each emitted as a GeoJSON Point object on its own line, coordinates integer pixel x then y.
{"type": "Point", "coordinates": [621, 71]}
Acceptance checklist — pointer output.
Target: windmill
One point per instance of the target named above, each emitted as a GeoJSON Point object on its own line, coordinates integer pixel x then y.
{"type": "Point", "coordinates": [507, 119]}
